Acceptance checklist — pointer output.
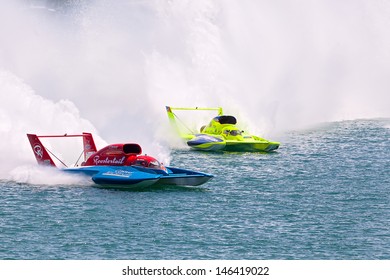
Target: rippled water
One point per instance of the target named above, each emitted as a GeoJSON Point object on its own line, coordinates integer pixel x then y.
{"type": "Point", "coordinates": [323, 195]}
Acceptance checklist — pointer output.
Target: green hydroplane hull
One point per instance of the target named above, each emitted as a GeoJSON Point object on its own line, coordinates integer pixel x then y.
{"type": "Point", "coordinates": [221, 134]}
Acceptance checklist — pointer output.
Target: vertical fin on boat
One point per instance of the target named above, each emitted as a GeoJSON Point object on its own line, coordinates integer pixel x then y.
{"type": "Point", "coordinates": [179, 125]}
{"type": "Point", "coordinates": [40, 151]}
{"type": "Point", "coordinates": [172, 120]}
{"type": "Point", "coordinates": [89, 145]}
{"type": "Point", "coordinates": [171, 115]}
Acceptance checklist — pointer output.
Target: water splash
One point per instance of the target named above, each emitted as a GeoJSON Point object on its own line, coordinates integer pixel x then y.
{"type": "Point", "coordinates": [276, 67]}
{"type": "Point", "coordinates": [22, 111]}
{"type": "Point", "coordinates": [43, 176]}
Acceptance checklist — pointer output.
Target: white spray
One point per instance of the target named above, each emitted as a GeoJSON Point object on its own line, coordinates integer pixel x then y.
{"type": "Point", "coordinates": [276, 65]}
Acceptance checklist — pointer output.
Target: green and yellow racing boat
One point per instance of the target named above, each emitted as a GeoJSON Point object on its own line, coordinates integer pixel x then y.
{"type": "Point", "coordinates": [221, 134]}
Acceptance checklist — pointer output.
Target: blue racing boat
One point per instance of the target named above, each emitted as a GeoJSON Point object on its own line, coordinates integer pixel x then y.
{"type": "Point", "coordinates": [120, 166]}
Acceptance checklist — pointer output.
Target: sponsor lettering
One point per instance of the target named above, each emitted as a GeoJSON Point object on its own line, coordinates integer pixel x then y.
{"type": "Point", "coordinates": [108, 161]}
{"type": "Point", "coordinates": [118, 173]}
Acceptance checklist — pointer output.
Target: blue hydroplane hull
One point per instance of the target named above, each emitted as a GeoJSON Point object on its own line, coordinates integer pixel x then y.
{"type": "Point", "coordinates": [128, 177]}
{"type": "Point", "coordinates": [120, 166]}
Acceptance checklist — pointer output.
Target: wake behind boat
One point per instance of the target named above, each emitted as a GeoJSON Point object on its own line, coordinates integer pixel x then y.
{"type": "Point", "coordinates": [120, 166]}
{"type": "Point", "coordinates": [221, 134]}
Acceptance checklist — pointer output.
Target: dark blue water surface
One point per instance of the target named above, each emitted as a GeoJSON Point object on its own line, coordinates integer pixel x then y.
{"type": "Point", "coordinates": [324, 195]}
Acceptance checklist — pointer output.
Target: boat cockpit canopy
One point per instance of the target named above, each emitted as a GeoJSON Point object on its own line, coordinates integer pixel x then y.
{"type": "Point", "coordinates": [233, 132]}
{"type": "Point", "coordinates": [226, 119]}
{"type": "Point", "coordinates": [132, 149]}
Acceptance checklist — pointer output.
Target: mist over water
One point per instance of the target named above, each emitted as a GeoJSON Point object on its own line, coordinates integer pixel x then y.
{"type": "Point", "coordinates": [22, 111]}
{"type": "Point", "coordinates": [68, 67]}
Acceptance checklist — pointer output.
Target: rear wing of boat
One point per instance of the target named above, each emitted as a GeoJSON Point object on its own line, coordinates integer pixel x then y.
{"type": "Point", "coordinates": [171, 109]}
{"type": "Point", "coordinates": [42, 154]}
{"type": "Point", "coordinates": [174, 120]}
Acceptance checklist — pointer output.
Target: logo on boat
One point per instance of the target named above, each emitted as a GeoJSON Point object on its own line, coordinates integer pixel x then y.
{"type": "Point", "coordinates": [38, 150]}
{"type": "Point", "coordinates": [107, 160]}
{"type": "Point", "coordinates": [118, 173]}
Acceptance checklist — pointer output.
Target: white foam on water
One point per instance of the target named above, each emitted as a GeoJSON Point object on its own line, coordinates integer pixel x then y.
{"type": "Point", "coordinates": [22, 112]}
{"type": "Point", "coordinates": [39, 175]}
{"type": "Point", "coordinates": [111, 68]}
